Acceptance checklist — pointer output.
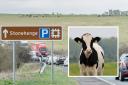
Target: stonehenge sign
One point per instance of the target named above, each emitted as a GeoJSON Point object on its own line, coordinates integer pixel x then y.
{"type": "Point", "coordinates": [32, 33]}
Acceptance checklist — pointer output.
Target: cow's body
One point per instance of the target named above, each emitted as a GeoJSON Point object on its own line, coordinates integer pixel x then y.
{"type": "Point", "coordinates": [100, 53]}
{"type": "Point", "coordinates": [91, 56]}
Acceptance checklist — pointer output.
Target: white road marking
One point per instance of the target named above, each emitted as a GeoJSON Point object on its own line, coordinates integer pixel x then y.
{"type": "Point", "coordinates": [106, 81]}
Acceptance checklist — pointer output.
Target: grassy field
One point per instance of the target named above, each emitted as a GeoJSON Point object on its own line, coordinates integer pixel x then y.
{"type": "Point", "coordinates": [110, 69]}
{"type": "Point", "coordinates": [34, 78]}
{"type": "Point", "coordinates": [65, 21]}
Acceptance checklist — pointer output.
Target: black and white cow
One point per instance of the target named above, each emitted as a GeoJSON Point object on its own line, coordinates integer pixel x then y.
{"type": "Point", "coordinates": [91, 56]}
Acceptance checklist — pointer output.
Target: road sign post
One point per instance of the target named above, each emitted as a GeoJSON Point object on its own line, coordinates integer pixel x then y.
{"type": "Point", "coordinates": [14, 74]}
{"type": "Point", "coordinates": [52, 68]}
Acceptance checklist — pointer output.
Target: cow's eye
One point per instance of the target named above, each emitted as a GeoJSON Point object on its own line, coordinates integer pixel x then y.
{"type": "Point", "coordinates": [84, 46]}
{"type": "Point", "coordinates": [91, 45]}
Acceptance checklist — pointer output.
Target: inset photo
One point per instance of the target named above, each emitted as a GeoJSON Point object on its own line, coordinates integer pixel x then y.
{"type": "Point", "coordinates": [93, 51]}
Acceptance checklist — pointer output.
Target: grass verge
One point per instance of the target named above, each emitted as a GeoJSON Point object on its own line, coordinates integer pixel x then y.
{"type": "Point", "coordinates": [59, 78]}
{"type": "Point", "coordinates": [110, 69]}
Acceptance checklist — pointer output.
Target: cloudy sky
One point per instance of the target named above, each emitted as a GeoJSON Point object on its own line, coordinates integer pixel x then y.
{"type": "Point", "coordinates": [97, 31]}
{"type": "Point", "coordinates": [61, 6]}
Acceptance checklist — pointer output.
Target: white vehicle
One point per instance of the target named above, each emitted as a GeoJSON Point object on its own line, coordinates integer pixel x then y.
{"type": "Point", "coordinates": [66, 62]}
{"type": "Point", "coordinates": [50, 59]}
{"type": "Point", "coordinates": [34, 57]}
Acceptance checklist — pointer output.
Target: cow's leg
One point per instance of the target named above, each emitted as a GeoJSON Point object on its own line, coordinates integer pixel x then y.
{"type": "Point", "coordinates": [100, 72]}
{"type": "Point", "coordinates": [101, 69]}
{"type": "Point", "coordinates": [93, 70]}
{"type": "Point", "coordinates": [83, 70]}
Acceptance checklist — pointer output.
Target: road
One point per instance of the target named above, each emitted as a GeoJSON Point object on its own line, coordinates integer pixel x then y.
{"type": "Point", "coordinates": [87, 80]}
{"type": "Point", "coordinates": [114, 82]}
{"type": "Point", "coordinates": [90, 81]}
{"type": "Point", "coordinates": [98, 80]}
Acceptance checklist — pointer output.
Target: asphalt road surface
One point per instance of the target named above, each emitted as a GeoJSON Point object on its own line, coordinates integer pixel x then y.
{"type": "Point", "coordinates": [87, 80]}
{"type": "Point", "coordinates": [112, 81]}
{"type": "Point", "coordinates": [90, 81]}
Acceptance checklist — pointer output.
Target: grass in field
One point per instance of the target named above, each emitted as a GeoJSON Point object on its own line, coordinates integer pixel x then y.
{"type": "Point", "coordinates": [6, 82]}
{"type": "Point", "coordinates": [45, 79]}
{"type": "Point", "coordinates": [69, 20]}
{"type": "Point", "coordinates": [110, 69]}
{"type": "Point", "coordinates": [59, 78]}
{"type": "Point", "coordinates": [74, 69]}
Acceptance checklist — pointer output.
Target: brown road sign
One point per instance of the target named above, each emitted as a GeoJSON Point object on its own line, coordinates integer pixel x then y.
{"type": "Point", "coordinates": [32, 33]}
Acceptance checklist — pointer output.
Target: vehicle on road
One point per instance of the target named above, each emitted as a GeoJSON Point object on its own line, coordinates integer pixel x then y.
{"type": "Point", "coordinates": [123, 67]}
{"type": "Point", "coordinates": [60, 61]}
{"type": "Point", "coordinates": [43, 49]}
{"type": "Point", "coordinates": [40, 48]}
{"type": "Point", "coordinates": [50, 59]}
{"type": "Point", "coordinates": [34, 56]}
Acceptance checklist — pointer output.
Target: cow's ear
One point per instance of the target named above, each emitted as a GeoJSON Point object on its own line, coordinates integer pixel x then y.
{"type": "Point", "coordinates": [77, 39]}
{"type": "Point", "coordinates": [96, 39]}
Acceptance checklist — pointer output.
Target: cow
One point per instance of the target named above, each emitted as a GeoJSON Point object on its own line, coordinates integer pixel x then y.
{"type": "Point", "coordinates": [91, 55]}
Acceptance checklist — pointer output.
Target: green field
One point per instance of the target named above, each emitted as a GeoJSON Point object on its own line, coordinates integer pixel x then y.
{"type": "Point", "coordinates": [68, 20]}
{"type": "Point", "coordinates": [110, 69]}
{"type": "Point", "coordinates": [34, 78]}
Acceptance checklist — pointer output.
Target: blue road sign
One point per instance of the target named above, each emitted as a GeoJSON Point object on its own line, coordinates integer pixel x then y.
{"type": "Point", "coordinates": [44, 32]}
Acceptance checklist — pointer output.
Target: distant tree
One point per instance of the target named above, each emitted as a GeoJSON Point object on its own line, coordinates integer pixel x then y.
{"type": "Point", "coordinates": [110, 48]}
{"type": "Point", "coordinates": [22, 55]}
{"type": "Point", "coordinates": [74, 50]}
{"type": "Point", "coordinates": [5, 58]}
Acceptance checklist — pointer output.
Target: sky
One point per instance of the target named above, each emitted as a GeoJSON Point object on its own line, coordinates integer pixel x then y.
{"type": "Point", "coordinates": [61, 6]}
{"type": "Point", "coordinates": [103, 32]}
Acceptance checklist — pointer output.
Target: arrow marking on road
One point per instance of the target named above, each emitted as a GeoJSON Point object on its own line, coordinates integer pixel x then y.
{"type": "Point", "coordinates": [5, 31]}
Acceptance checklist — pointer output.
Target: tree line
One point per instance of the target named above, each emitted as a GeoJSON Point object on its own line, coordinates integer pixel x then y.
{"type": "Point", "coordinates": [6, 58]}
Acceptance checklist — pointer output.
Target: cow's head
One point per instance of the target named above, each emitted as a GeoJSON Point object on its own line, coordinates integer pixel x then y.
{"type": "Point", "coordinates": [87, 43]}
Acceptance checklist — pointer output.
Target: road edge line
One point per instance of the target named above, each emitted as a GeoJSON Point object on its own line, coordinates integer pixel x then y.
{"type": "Point", "coordinates": [106, 81]}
